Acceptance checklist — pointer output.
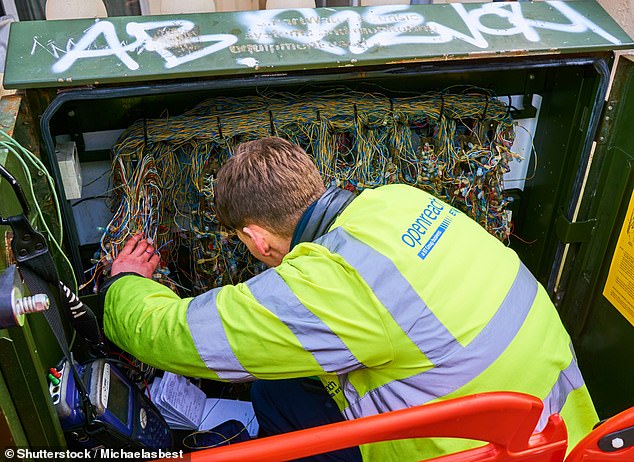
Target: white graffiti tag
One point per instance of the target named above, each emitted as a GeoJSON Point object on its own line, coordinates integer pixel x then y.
{"type": "Point", "coordinates": [337, 31]}
{"type": "Point", "coordinates": [50, 47]}
{"type": "Point", "coordinates": [512, 12]}
{"type": "Point", "coordinates": [171, 35]}
{"type": "Point", "coordinates": [394, 25]}
{"type": "Point", "coordinates": [82, 48]}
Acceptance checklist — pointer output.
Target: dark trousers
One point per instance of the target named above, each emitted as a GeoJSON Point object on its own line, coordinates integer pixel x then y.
{"type": "Point", "coordinates": [283, 406]}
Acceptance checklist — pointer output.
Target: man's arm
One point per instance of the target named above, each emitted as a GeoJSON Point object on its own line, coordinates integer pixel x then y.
{"type": "Point", "coordinates": [221, 334]}
{"type": "Point", "coordinates": [149, 321]}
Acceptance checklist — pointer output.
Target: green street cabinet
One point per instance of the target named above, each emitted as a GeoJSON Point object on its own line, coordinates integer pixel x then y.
{"type": "Point", "coordinates": [555, 66]}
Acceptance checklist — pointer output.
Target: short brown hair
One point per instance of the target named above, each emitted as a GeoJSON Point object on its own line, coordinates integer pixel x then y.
{"type": "Point", "coordinates": [269, 182]}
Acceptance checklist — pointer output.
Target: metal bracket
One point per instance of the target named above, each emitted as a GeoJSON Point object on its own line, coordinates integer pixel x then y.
{"type": "Point", "coordinates": [605, 124]}
{"type": "Point", "coordinates": [528, 111]}
{"type": "Point", "coordinates": [569, 232]}
{"type": "Point", "coordinates": [27, 243]}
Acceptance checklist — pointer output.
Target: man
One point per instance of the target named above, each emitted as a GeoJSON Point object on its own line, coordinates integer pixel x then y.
{"type": "Point", "coordinates": [392, 299]}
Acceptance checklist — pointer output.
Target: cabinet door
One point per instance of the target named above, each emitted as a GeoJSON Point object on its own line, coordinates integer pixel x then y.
{"type": "Point", "coordinates": [599, 310]}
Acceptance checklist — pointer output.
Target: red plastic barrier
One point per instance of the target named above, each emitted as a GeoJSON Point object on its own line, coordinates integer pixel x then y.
{"type": "Point", "coordinates": [505, 420]}
{"type": "Point", "coordinates": [607, 443]}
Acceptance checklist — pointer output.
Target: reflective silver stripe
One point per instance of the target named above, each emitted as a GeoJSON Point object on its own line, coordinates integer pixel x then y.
{"type": "Point", "coordinates": [210, 339]}
{"type": "Point", "coordinates": [569, 379]}
{"type": "Point", "coordinates": [395, 293]}
{"type": "Point", "coordinates": [272, 292]}
{"type": "Point", "coordinates": [458, 369]}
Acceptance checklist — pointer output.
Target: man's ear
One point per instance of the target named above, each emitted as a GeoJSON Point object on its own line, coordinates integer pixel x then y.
{"type": "Point", "coordinates": [260, 238]}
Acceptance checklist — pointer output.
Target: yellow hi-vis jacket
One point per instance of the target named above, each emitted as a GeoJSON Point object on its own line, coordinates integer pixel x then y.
{"type": "Point", "coordinates": [404, 301]}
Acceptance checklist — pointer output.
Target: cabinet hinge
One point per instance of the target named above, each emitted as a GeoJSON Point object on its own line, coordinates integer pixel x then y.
{"type": "Point", "coordinates": [605, 124]}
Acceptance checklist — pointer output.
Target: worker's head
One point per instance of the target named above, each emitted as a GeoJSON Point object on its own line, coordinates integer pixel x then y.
{"type": "Point", "coordinates": [262, 191]}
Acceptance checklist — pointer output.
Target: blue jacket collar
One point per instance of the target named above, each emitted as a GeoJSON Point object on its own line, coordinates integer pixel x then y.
{"type": "Point", "coordinates": [320, 215]}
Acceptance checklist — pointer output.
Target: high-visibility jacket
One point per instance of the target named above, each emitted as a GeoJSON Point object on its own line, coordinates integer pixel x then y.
{"type": "Point", "coordinates": [403, 301]}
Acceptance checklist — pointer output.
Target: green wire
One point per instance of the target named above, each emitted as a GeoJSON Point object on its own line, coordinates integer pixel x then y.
{"type": "Point", "coordinates": [11, 147]}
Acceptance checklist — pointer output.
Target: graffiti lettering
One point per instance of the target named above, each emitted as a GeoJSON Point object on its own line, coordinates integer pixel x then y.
{"type": "Point", "coordinates": [528, 27]}
{"type": "Point", "coordinates": [335, 31]}
{"type": "Point", "coordinates": [83, 48]}
{"type": "Point", "coordinates": [181, 36]}
{"type": "Point", "coordinates": [50, 47]}
{"type": "Point", "coordinates": [172, 35]}
{"type": "Point", "coordinates": [393, 28]}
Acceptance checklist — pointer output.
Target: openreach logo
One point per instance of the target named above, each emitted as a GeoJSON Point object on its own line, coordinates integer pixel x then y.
{"type": "Point", "coordinates": [90, 454]}
{"type": "Point", "coordinates": [417, 235]}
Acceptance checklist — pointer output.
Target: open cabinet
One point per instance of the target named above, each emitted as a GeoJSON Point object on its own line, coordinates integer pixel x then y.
{"type": "Point", "coordinates": [87, 88]}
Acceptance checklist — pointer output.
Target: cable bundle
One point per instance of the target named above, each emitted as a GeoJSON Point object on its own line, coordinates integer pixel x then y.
{"type": "Point", "coordinates": [456, 146]}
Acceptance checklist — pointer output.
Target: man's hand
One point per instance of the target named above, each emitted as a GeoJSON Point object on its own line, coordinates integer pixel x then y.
{"type": "Point", "coordinates": [137, 256]}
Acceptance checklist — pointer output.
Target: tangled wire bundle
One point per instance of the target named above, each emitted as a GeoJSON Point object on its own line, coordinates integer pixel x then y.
{"type": "Point", "coordinates": [456, 146]}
